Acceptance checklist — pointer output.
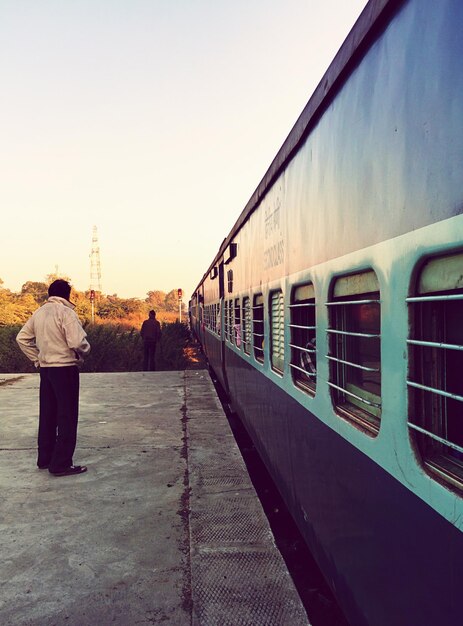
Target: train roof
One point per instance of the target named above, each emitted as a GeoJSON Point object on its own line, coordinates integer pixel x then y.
{"type": "Point", "coordinates": [370, 24]}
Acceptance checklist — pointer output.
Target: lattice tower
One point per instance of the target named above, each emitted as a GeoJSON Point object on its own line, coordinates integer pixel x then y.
{"type": "Point", "coordinates": [95, 267]}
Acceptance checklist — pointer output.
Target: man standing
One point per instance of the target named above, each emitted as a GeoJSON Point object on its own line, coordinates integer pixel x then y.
{"type": "Point", "coordinates": [53, 338]}
{"type": "Point", "coordinates": [151, 334]}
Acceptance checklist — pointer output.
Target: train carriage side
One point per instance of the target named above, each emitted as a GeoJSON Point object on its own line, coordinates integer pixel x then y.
{"type": "Point", "coordinates": [213, 332]}
{"type": "Point", "coordinates": [340, 342]}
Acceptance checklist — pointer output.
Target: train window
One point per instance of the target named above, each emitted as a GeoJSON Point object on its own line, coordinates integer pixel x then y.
{"type": "Point", "coordinates": [277, 330]}
{"type": "Point", "coordinates": [303, 349]}
{"type": "Point", "coordinates": [258, 327]}
{"type": "Point", "coordinates": [237, 323]}
{"type": "Point", "coordinates": [355, 349]}
{"type": "Point", "coordinates": [225, 320]}
{"type": "Point", "coordinates": [436, 361]}
{"type": "Point", "coordinates": [228, 320]}
{"type": "Point", "coordinates": [217, 319]}
{"type": "Point", "coordinates": [210, 317]}
{"type": "Point", "coordinates": [246, 328]}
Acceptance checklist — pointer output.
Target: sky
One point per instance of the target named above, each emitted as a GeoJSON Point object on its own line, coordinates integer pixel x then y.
{"type": "Point", "coordinates": [153, 120]}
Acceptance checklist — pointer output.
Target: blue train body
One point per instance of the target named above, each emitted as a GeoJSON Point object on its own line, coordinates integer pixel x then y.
{"type": "Point", "coordinates": [332, 316]}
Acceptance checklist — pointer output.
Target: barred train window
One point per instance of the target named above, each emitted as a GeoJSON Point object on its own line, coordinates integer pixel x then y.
{"type": "Point", "coordinates": [303, 348]}
{"type": "Point", "coordinates": [228, 320]}
{"type": "Point", "coordinates": [258, 327]}
{"type": "Point", "coordinates": [237, 323]}
{"type": "Point", "coordinates": [436, 364]}
{"type": "Point", "coordinates": [225, 319]}
{"type": "Point", "coordinates": [246, 330]}
{"type": "Point", "coordinates": [217, 319]}
{"type": "Point", "coordinates": [277, 330]}
{"type": "Point", "coordinates": [355, 350]}
{"type": "Point", "coordinates": [212, 323]}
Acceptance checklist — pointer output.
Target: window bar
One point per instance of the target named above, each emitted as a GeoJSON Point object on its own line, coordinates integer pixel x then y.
{"type": "Point", "coordinates": [445, 442]}
{"type": "Point", "coordinates": [360, 367]}
{"type": "Point", "coordinates": [296, 367]}
{"type": "Point", "coordinates": [304, 327]}
{"type": "Point", "coordinates": [342, 302]}
{"type": "Point", "coordinates": [433, 344]}
{"type": "Point", "coordinates": [291, 306]}
{"type": "Point", "coordinates": [439, 392]}
{"type": "Point", "coordinates": [345, 332]}
{"type": "Point", "coordinates": [349, 393]}
{"type": "Point", "coordinates": [311, 350]}
{"type": "Point", "coordinates": [434, 298]}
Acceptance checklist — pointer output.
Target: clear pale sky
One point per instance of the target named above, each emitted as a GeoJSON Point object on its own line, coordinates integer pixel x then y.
{"type": "Point", "coordinates": [154, 120]}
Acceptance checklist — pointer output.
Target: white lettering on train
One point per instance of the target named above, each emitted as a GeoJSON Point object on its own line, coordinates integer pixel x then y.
{"type": "Point", "coordinates": [274, 255]}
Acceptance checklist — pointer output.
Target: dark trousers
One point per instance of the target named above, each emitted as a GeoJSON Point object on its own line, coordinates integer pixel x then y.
{"type": "Point", "coordinates": [149, 353]}
{"type": "Point", "coordinates": [59, 412]}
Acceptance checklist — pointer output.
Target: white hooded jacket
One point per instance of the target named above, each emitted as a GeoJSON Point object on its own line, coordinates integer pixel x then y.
{"type": "Point", "coordinates": [53, 336]}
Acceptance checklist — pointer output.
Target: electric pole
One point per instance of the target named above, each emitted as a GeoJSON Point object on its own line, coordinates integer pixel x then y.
{"type": "Point", "coordinates": [95, 270]}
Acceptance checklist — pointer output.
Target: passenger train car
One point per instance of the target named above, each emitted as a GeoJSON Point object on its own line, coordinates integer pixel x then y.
{"type": "Point", "coordinates": [332, 315]}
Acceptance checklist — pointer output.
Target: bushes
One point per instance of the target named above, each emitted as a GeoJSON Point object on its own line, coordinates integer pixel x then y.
{"type": "Point", "coordinates": [12, 360]}
{"type": "Point", "coordinates": [170, 355]}
{"type": "Point", "coordinates": [115, 348]}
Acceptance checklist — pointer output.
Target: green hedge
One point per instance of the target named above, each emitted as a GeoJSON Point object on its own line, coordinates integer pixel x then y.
{"type": "Point", "coordinates": [114, 349]}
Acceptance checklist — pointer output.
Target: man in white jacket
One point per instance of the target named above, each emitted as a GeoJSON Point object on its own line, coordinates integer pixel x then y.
{"type": "Point", "coordinates": [53, 338]}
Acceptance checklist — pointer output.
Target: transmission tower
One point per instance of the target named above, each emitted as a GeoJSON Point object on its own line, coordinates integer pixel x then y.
{"type": "Point", "coordinates": [95, 267]}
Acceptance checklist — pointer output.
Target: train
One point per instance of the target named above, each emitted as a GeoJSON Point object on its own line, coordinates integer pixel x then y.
{"type": "Point", "coordinates": [332, 317]}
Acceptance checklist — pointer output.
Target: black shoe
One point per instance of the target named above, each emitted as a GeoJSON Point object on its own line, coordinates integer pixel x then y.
{"type": "Point", "coordinates": [70, 471]}
{"type": "Point", "coordinates": [42, 466]}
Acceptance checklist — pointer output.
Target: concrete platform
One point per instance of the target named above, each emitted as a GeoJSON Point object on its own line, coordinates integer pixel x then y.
{"type": "Point", "coordinates": [164, 528]}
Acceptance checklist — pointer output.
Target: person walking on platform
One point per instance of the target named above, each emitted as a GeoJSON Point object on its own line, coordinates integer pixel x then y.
{"type": "Point", "coordinates": [54, 340]}
{"type": "Point", "coordinates": [151, 334]}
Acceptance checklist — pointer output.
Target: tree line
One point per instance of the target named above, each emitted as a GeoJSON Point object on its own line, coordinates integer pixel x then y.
{"type": "Point", "coordinates": [16, 308]}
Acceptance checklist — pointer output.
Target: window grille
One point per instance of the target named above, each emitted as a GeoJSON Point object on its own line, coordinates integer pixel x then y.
{"type": "Point", "coordinates": [230, 321]}
{"type": "Point", "coordinates": [237, 323]}
{"type": "Point", "coordinates": [246, 330]}
{"type": "Point", "coordinates": [258, 327]}
{"type": "Point", "coordinates": [227, 320]}
{"type": "Point", "coordinates": [225, 309]}
{"type": "Point", "coordinates": [230, 281]}
{"type": "Point", "coordinates": [435, 381]}
{"type": "Point", "coordinates": [277, 330]}
{"type": "Point", "coordinates": [210, 317]}
{"type": "Point", "coordinates": [216, 318]}
{"type": "Point", "coordinates": [354, 335]}
{"type": "Point", "coordinates": [303, 344]}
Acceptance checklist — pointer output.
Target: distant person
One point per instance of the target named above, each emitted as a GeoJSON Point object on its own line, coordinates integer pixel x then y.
{"type": "Point", "coordinates": [151, 335]}
{"type": "Point", "coordinates": [53, 338]}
